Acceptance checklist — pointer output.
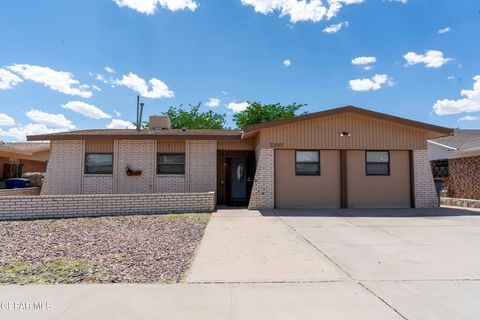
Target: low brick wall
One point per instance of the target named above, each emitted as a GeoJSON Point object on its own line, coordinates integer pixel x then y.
{"type": "Point", "coordinates": [456, 202]}
{"type": "Point", "coordinates": [65, 206]}
{"type": "Point", "coordinates": [34, 191]}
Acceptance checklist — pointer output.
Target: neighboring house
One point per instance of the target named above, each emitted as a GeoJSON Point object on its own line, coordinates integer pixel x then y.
{"type": "Point", "coordinates": [456, 163]}
{"type": "Point", "coordinates": [20, 157]}
{"type": "Point", "coordinates": [341, 158]}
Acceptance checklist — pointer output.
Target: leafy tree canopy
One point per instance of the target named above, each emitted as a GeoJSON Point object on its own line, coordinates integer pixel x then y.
{"type": "Point", "coordinates": [193, 118]}
{"type": "Point", "coordinates": [258, 113]}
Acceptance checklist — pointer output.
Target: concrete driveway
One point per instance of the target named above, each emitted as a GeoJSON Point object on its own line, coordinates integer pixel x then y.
{"type": "Point", "coordinates": [420, 264]}
{"type": "Point", "coordinates": [294, 264]}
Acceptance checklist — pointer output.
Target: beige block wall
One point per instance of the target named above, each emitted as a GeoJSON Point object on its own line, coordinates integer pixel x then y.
{"type": "Point", "coordinates": [425, 193]}
{"type": "Point", "coordinates": [263, 190]}
{"type": "Point", "coordinates": [65, 173]}
{"type": "Point", "coordinates": [202, 165]}
{"type": "Point", "coordinates": [138, 155]}
{"type": "Point", "coordinates": [61, 206]}
{"type": "Point", "coordinates": [65, 169]}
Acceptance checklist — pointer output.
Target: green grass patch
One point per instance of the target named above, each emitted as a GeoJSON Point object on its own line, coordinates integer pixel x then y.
{"type": "Point", "coordinates": [62, 270]}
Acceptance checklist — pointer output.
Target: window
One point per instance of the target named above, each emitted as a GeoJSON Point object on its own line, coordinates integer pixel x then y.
{"type": "Point", "coordinates": [171, 163]}
{"type": "Point", "coordinates": [99, 163]}
{"type": "Point", "coordinates": [377, 163]}
{"type": "Point", "coordinates": [440, 168]}
{"type": "Point", "coordinates": [307, 163]}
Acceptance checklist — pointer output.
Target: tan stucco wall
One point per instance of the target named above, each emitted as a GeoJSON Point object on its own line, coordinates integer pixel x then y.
{"type": "Point", "coordinates": [378, 191]}
{"type": "Point", "coordinates": [293, 191]}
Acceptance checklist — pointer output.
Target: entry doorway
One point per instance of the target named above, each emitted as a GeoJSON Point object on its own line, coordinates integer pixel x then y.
{"type": "Point", "coordinates": [235, 173]}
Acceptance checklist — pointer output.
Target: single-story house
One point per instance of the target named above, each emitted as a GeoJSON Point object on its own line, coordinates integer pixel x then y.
{"type": "Point", "coordinates": [346, 157]}
{"type": "Point", "coordinates": [20, 157]}
{"type": "Point", "coordinates": [455, 163]}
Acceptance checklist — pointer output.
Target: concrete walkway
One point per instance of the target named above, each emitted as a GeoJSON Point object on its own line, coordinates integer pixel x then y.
{"type": "Point", "coordinates": [243, 246]}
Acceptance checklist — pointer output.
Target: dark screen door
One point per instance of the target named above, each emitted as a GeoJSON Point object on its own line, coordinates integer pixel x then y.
{"type": "Point", "coordinates": [238, 182]}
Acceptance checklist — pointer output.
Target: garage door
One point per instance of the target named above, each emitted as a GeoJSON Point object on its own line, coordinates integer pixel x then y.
{"type": "Point", "coordinates": [307, 191]}
{"type": "Point", "coordinates": [378, 191]}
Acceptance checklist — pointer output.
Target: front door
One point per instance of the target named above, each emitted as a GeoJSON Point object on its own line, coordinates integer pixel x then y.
{"type": "Point", "coordinates": [235, 173]}
{"type": "Point", "coordinates": [238, 181]}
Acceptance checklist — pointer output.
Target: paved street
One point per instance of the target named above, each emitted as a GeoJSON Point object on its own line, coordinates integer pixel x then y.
{"type": "Point", "coordinates": [294, 264]}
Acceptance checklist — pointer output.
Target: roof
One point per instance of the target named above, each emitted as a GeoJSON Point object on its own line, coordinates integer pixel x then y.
{"type": "Point", "coordinates": [25, 148]}
{"type": "Point", "coordinates": [382, 116]}
{"type": "Point", "coordinates": [461, 139]}
{"type": "Point", "coordinates": [132, 134]}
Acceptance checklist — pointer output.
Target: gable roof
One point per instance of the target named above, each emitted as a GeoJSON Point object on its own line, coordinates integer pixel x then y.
{"type": "Point", "coordinates": [132, 134]}
{"type": "Point", "coordinates": [462, 139]}
{"type": "Point", "coordinates": [251, 129]}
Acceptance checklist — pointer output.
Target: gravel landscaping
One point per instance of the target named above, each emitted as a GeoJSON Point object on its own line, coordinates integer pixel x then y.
{"type": "Point", "coordinates": [134, 249]}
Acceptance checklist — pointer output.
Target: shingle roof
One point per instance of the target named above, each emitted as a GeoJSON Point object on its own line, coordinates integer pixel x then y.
{"type": "Point", "coordinates": [27, 148]}
{"type": "Point", "coordinates": [462, 139]}
{"type": "Point", "coordinates": [131, 134]}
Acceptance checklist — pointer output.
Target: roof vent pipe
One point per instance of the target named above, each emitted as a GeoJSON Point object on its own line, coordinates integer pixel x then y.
{"type": "Point", "coordinates": [139, 113]}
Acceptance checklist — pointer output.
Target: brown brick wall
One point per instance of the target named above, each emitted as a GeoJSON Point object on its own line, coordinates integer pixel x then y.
{"type": "Point", "coordinates": [33, 166]}
{"type": "Point", "coordinates": [62, 206]}
{"type": "Point", "coordinates": [34, 191]}
{"type": "Point", "coordinates": [464, 178]}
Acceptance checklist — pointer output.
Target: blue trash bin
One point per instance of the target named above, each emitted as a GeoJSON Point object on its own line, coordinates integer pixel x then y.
{"type": "Point", "coordinates": [18, 183]}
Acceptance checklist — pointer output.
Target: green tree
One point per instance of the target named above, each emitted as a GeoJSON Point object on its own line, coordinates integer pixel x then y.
{"type": "Point", "coordinates": [192, 118]}
{"type": "Point", "coordinates": [258, 113]}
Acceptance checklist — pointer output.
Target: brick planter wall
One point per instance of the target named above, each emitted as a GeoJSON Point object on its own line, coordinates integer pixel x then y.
{"type": "Point", "coordinates": [61, 206]}
{"type": "Point", "coordinates": [456, 202]}
{"type": "Point", "coordinates": [34, 191]}
{"type": "Point", "coordinates": [464, 178]}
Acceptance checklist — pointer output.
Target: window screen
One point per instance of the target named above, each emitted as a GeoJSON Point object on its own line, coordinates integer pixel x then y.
{"type": "Point", "coordinates": [171, 163]}
{"type": "Point", "coordinates": [307, 163]}
{"type": "Point", "coordinates": [99, 163]}
{"type": "Point", "coordinates": [377, 163]}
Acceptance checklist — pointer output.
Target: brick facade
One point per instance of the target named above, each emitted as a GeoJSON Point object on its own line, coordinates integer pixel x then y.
{"type": "Point", "coordinates": [65, 168]}
{"type": "Point", "coordinates": [65, 173]}
{"type": "Point", "coordinates": [263, 193]}
{"type": "Point", "coordinates": [61, 206]}
{"type": "Point", "coordinates": [464, 178]}
{"type": "Point", "coordinates": [202, 165]}
{"type": "Point", "coordinates": [424, 187]}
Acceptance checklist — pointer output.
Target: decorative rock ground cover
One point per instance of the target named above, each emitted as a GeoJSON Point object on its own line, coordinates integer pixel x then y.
{"type": "Point", "coordinates": [132, 249]}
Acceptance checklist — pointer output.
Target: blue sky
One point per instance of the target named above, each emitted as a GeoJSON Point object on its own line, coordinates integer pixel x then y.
{"type": "Point", "coordinates": [415, 58]}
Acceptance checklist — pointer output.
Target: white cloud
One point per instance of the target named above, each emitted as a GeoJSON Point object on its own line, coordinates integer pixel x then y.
{"type": "Point", "coordinates": [469, 118]}
{"type": "Point", "coordinates": [364, 62]}
{"type": "Point", "coordinates": [470, 102]}
{"type": "Point", "coordinates": [120, 124]}
{"type": "Point", "coordinates": [444, 30]}
{"type": "Point", "coordinates": [237, 107]}
{"type": "Point", "coordinates": [375, 83]}
{"type": "Point", "coordinates": [287, 62]}
{"type": "Point", "coordinates": [117, 113]}
{"type": "Point", "coordinates": [155, 89]}
{"type": "Point", "coordinates": [109, 70]}
{"type": "Point", "coordinates": [431, 59]}
{"type": "Point", "coordinates": [60, 81]}
{"type": "Point", "coordinates": [49, 119]}
{"type": "Point", "coordinates": [8, 80]}
{"type": "Point", "coordinates": [401, 1]}
{"type": "Point", "coordinates": [334, 28]}
{"type": "Point", "coordinates": [150, 6]}
{"type": "Point", "coordinates": [213, 102]}
{"type": "Point", "coordinates": [360, 61]}
{"type": "Point", "coordinates": [21, 132]}
{"type": "Point", "coordinates": [86, 109]}
{"type": "Point", "coordinates": [6, 120]}
{"type": "Point", "coordinates": [300, 10]}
